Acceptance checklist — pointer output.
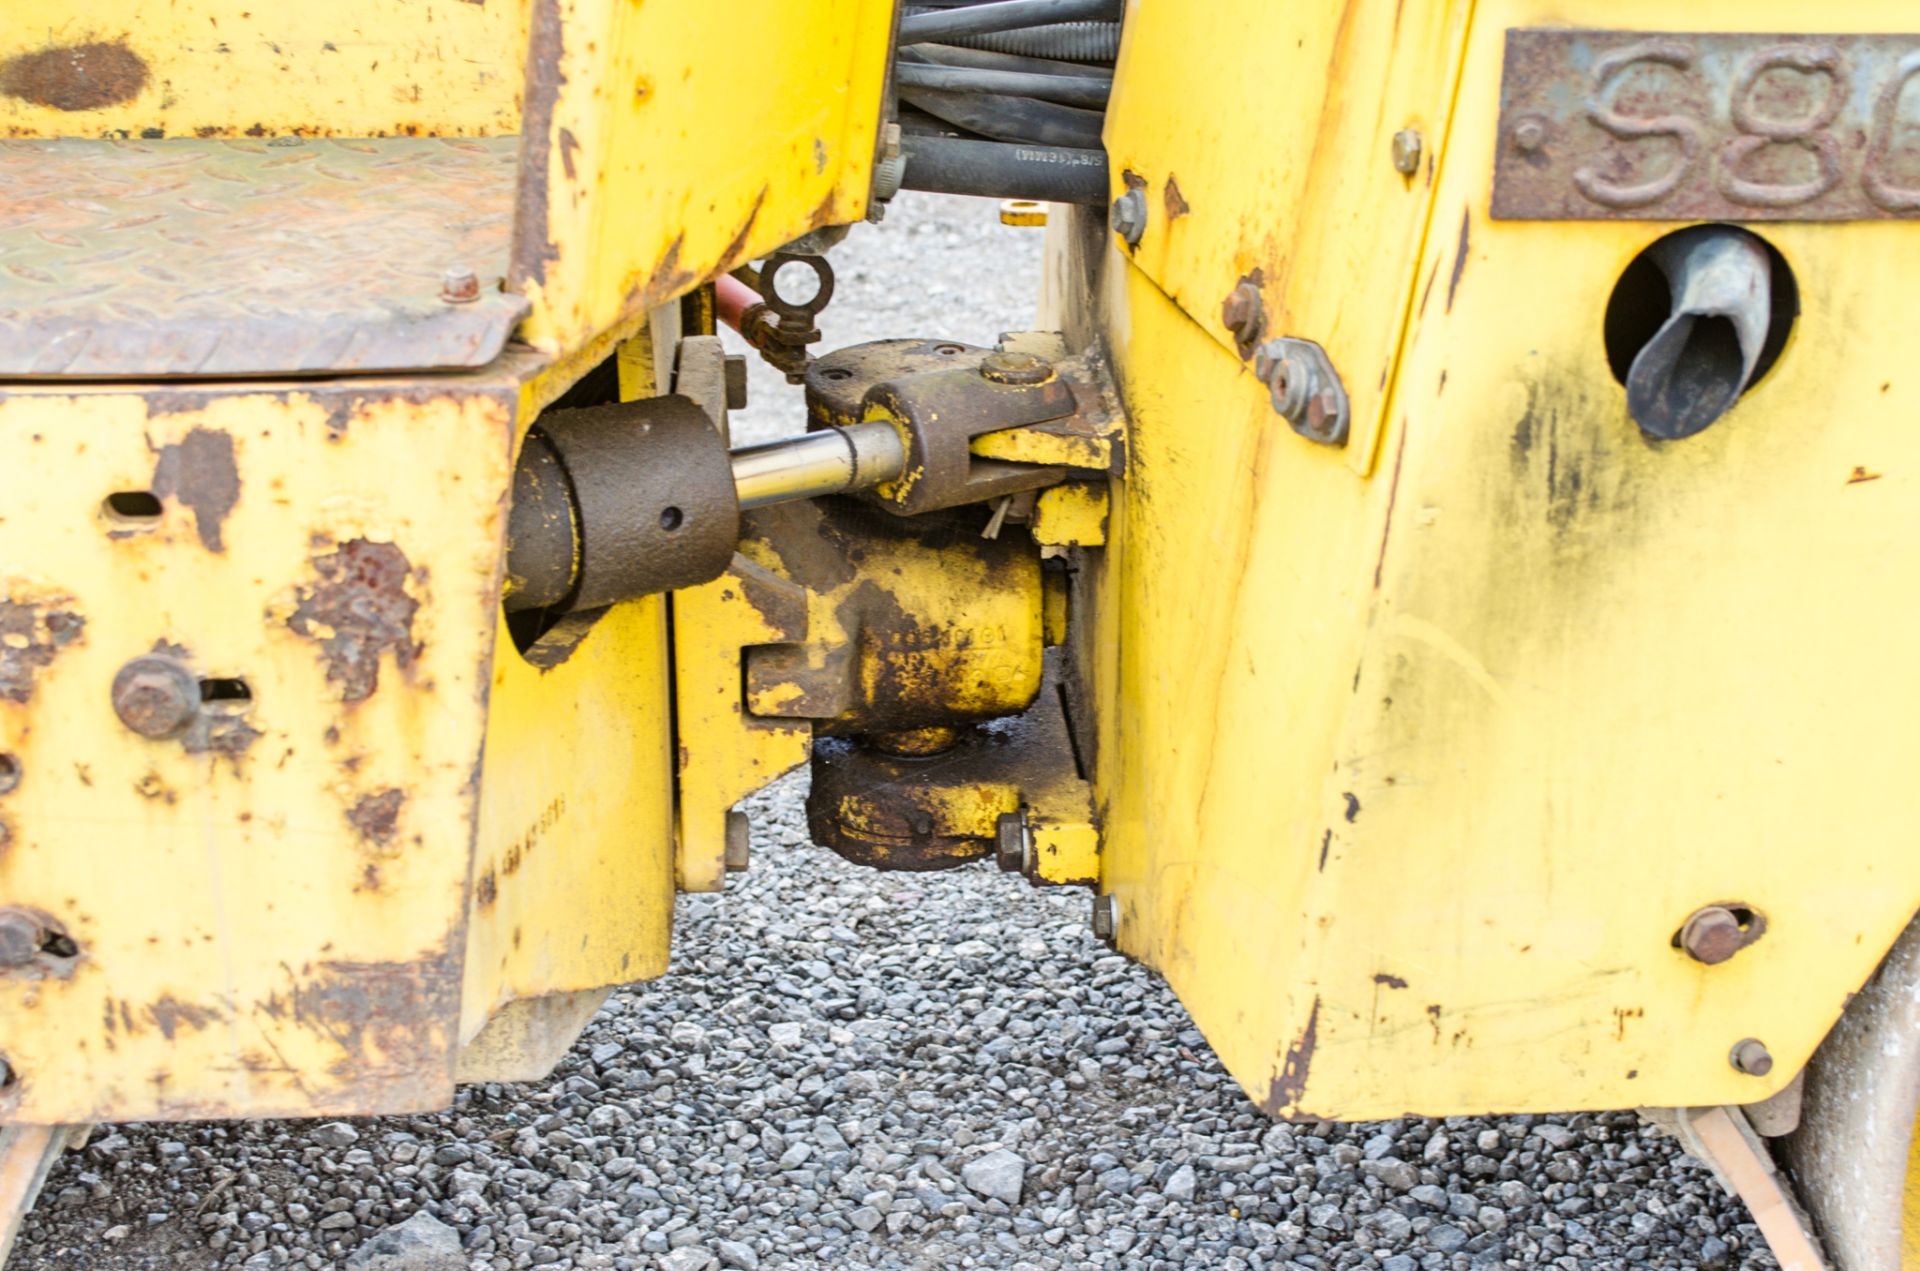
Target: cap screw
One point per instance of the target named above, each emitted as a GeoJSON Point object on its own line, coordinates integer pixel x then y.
{"type": "Point", "coordinates": [1751, 1057]}
{"type": "Point", "coordinates": [1016, 368]}
{"type": "Point", "coordinates": [1244, 313]}
{"type": "Point", "coordinates": [1713, 934]}
{"type": "Point", "coordinates": [1406, 152]}
{"type": "Point", "coordinates": [155, 696]}
{"type": "Point", "coordinates": [1129, 216]}
{"type": "Point", "coordinates": [459, 286]}
{"type": "Point", "coordinates": [1529, 135]}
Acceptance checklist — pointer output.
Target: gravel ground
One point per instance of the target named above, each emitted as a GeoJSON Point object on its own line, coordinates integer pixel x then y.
{"type": "Point", "coordinates": [849, 1068]}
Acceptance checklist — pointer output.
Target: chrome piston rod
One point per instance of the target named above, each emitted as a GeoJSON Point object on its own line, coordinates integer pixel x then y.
{"type": "Point", "coordinates": [831, 461]}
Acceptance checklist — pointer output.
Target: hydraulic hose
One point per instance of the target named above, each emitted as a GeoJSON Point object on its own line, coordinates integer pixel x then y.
{"type": "Point", "coordinates": [1007, 15]}
{"type": "Point", "coordinates": [1065, 41]}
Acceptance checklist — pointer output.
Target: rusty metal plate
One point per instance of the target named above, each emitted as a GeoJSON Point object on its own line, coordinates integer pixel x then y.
{"type": "Point", "coordinates": [242, 257]}
{"type": "Point", "coordinates": [1685, 126]}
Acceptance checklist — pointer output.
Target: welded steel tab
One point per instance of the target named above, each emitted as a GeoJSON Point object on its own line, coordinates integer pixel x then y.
{"type": "Point", "coordinates": [1686, 126]}
{"type": "Point", "coordinates": [241, 257]}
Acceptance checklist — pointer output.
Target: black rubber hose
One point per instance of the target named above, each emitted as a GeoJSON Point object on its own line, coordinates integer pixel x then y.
{"type": "Point", "coordinates": [1066, 41]}
{"type": "Point", "coordinates": [1045, 174]}
{"type": "Point", "coordinates": [1006, 15]}
{"type": "Point", "coordinates": [980, 59]}
{"type": "Point", "coordinates": [1011, 118]}
{"type": "Point", "coordinates": [1074, 90]}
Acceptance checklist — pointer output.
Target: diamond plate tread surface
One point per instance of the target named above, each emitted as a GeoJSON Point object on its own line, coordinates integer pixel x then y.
{"type": "Point", "coordinates": [196, 257]}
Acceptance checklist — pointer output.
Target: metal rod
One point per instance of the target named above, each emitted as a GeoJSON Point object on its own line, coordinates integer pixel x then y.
{"type": "Point", "coordinates": [1075, 90]}
{"type": "Point", "coordinates": [1009, 170]}
{"type": "Point", "coordinates": [832, 461]}
{"type": "Point", "coordinates": [1008, 15]}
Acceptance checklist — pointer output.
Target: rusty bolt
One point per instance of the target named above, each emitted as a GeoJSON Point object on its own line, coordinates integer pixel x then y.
{"type": "Point", "coordinates": [1129, 216]}
{"type": "Point", "coordinates": [1245, 314]}
{"type": "Point", "coordinates": [20, 937]}
{"type": "Point", "coordinates": [1529, 135]}
{"type": "Point", "coordinates": [155, 696]}
{"type": "Point", "coordinates": [739, 844]}
{"type": "Point", "coordinates": [459, 286]}
{"type": "Point", "coordinates": [1012, 841]}
{"type": "Point", "coordinates": [1406, 152]}
{"type": "Point", "coordinates": [1751, 1057]}
{"type": "Point", "coordinates": [1712, 935]}
{"type": "Point", "coordinates": [9, 772]}
{"type": "Point", "coordinates": [1106, 918]}
{"type": "Point", "coordinates": [1016, 368]}
{"type": "Point", "coordinates": [1305, 389]}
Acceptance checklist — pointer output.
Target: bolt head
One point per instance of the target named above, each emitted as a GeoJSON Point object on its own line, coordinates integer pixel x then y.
{"type": "Point", "coordinates": [1244, 313]}
{"type": "Point", "coordinates": [1305, 389]}
{"type": "Point", "coordinates": [459, 286]}
{"type": "Point", "coordinates": [155, 696]}
{"type": "Point", "coordinates": [1406, 151]}
{"type": "Point", "coordinates": [1129, 216]}
{"type": "Point", "coordinates": [1106, 918]}
{"type": "Point", "coordinates": [1016, 368]}
{"type": "Point", "coordinates": [1529, 135]}
{"type": "Point", "coordinates": [20, 938]}
{"type": "Point", "coordinates": [1712, 935]}
{"type": "Point", "coordinates": [1752, 1057]}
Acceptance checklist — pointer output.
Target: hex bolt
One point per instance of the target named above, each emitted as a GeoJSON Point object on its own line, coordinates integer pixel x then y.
{"type": "Point", "coordinates": [1305, 389]}
{"type": "Point", "coordinates": [1129, 216]}
{"type": "Point", "coordinates": [1712, 935]}
{"type": "Point", "coordinates": [1016, 368]}
{"type": "Point", "coordinates": [1244, 313]}
{"type": "Point", "coordinates": [1106, 918]}
{"type": "Point", "coordinates": [739, 842]}
{"type": "Point", "coordinates": [1012, 842]}
{"type": "Point", "coordinates": [1406, 151]}
{"type": "Point", "coordinates": [1529, 135]}
{"type": "Point", "coordinates": [155, 696]}
{"type": "Point", "coordinates": [459, 286]}
{"type": "Point", "coordinates": [21, 936]}
{"type": "Point", "coordinates": [1751, 1057]}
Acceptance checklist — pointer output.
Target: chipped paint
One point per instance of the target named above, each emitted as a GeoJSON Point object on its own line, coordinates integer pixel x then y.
{"type": "Point", "coordinates": [358, 611]}
{"type": "Point", "coordinates": [376, 817]}
{"type": "Point", "coordinates": [89, 76]}
{"type": "Point", "coordinates": [31, 633]}
{"type": "Point", "coordinates": [199, 473]}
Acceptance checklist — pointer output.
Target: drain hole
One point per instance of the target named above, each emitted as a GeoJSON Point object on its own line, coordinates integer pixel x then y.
{"type": "Point", "coordinates": [670, 519]}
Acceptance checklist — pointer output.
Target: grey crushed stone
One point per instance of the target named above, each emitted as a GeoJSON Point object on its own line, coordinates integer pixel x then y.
{"type": "Point", "coordinates": [835, 1044]}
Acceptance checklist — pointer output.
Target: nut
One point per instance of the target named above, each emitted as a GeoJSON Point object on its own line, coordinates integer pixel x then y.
{"type": "Point", "coordinates": [1751, 1057]}
{"type": "Point", "coordinates": [20, 937]}
{"type": "Point", "coordinates": [459, 286]}
{"type": "Point", "coordinates": [1305, 388]}
{"type": "Point", "coordinates": [739, 842]}
{"type": "Point", "coordinates": [1106, 918]}
{"type": "Point", "coordinates": [1011, 841]}
{"type": "Point", "coordinates": [1244, 313]}
{"type": "Point", "coordinates": [1713, 934]}
{"type": "Point", "coordinates": [155, 696]}
{"type": "Point", "coordinates": [1406, 152]}
{"type": "Point", "coordinates": [1129, 216]}
{"type": "Point", "coordinates": [1016, 368]}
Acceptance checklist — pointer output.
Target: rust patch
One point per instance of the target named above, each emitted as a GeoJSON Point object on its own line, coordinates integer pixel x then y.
{"type": "Point", "coordinates": [200, 472]}
{"type": "Point", "coordinates": [90, 76]}
{"type": "Point", "coordinates": [1292, 1081]}
{"type": "Point", "coordinates": [569, 144]}
{"type": "Point", "coordinates": [30, 636]}
{"type": "Point", "coordinates": [376, 817]}
{"type": "Point", "coordinates": [1860, 474]}
{"type": "Point", "coordinates": [487, 890]}
{"type": "Point", "coordinates": [357, 611]}
{"type": "Point", "coordinates": [219, 732]}
{"type": "Point", "coordinates": [1459, 257]}
{"type": "Point", "coordinates": [1326, 844]}
{"type": "Point", "coordinates": [1353, 805]}
{"type": "Point", "coordinates": [533, 245]}
{"type": "Point", "coordinates": [393, 1023]}
{"type": "Point", "coordinates": [169, 1013]}
{"type": "Point", "coordinates": [1390, 981]}
{"type": "Point", "coordinates": [738, 243]}
{"type": "Point", "coordinates": [1177, 205]}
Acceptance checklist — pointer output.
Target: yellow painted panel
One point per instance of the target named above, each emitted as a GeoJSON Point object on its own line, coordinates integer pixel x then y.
{"type": "Point", "coordinates": [270, 919]}
{"type": "Point", "coordinates": [348, 68]}
{"type": "Point", "coordinates": [1407, 783]}
{"type": "Point", "coordinates": [671, 140]}
{"type": "Point", "coordinates": [573, 867]}
{"type": "Point", "coordinates": [1264, 137]}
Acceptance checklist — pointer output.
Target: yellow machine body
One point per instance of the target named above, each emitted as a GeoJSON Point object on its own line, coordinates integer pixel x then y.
{"type": "Point", "coordinates": [1410, 779]}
